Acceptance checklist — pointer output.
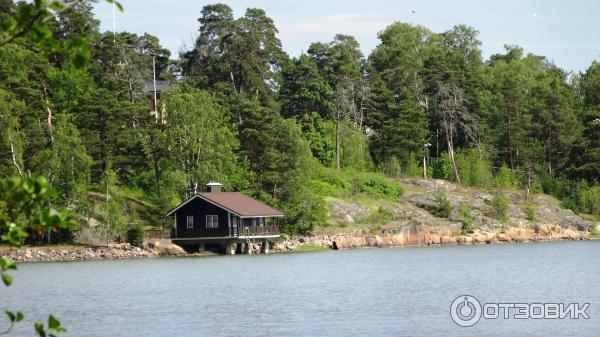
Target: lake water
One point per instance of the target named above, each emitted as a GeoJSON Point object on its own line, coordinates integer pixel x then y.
{"type": "Point", "coordinates": [365, 292]}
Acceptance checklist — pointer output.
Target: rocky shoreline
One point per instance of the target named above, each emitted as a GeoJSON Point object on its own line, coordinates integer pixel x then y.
{"type": "Point", "coordinates": [407, 236]}
{"type": "Point", "coordinates": [83, 253]}
{"type": "Point", "coordinates": [426, 236]}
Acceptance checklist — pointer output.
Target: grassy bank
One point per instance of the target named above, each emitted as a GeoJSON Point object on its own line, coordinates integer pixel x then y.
{"type": "Point", "coordinates": [309, 249]}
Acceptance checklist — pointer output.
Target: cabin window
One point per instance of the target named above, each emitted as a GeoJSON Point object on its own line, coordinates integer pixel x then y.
{"type": "Point", "coordinates": [212, 221]}
{"type": "Point", "coordinates": [190, 221]}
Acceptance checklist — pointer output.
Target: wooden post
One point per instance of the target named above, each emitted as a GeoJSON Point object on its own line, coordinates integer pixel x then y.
{"type": "Point", "coordinates": [230, 248]}
{"type": "Point", "coordinates": [229, 222]}
{"type": "Point", "coordinates": [265, 247]}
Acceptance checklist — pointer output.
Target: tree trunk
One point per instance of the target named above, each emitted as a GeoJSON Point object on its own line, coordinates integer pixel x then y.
{"type": "Point", "coordinates": [337, 143]}
{"type": "Point", "coordinates": [510, 149]}
{"type": "Point", "coordinates": [13, 154]}
{"type": "Point", "coordinates": [232, 80]}
{"type": "Point", "coordinates": [451, 155]}
{"type": "Point", "coordinates": [528, 184]}
{"type": "Point", "coordinates": [450, 144]}
{"type": "Point", "coordinates": [48, 110]}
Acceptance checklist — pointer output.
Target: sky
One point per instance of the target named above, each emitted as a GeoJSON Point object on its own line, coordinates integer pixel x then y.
{"type": "Point", "coordinates": [565, 31]}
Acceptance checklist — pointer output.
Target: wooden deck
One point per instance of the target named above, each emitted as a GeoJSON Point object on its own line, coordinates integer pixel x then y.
{"type": "Point", "coordinates": [250, 232]}
{"type": "Point", "coordinates": [256, 231]}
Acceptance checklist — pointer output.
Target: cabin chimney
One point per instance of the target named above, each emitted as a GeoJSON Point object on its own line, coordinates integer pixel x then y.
{"type": "Point", "coordinates": [214, 187]}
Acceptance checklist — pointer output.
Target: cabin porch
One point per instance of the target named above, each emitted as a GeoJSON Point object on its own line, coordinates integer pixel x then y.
{"type": "Point", "coordinates": [238, 238]}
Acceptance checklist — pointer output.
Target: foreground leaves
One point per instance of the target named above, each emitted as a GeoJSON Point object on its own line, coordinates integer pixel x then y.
{"type": "Point", "coordinates": [25, 207]}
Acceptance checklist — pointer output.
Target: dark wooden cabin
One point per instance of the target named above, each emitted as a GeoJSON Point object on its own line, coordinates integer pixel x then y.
{"type": "Point", "coordinates": [228, 219]}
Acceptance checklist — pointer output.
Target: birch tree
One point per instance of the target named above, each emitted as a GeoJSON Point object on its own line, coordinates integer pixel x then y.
{"type": "Point", "coordinates": [11, 138]}
{"type": "Point", "coordinates": [454, 117]}
{"type": "Point", "coordinates": [200, 143]}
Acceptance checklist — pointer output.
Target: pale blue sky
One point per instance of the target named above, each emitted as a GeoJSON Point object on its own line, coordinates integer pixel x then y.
{"type": "Point", "coordinates": [567, 32]}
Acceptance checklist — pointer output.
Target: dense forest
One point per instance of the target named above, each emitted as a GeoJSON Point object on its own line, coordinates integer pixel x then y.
{"type": "Point", "coordinates": [287, 130]}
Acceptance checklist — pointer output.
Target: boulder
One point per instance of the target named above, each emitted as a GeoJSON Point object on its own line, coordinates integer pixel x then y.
{"type": "Point", "coordinates": [342, 212]}
{"type": "Point", "coordinates": [435, 239]}
{"type": "Point", "coordinates": [279, 247]}
{"type": "Point", "coordinates": [503, 237]}
{"type": "Point", "coordinates": [371, 242]}
{"type": "Point", "coordinates": [577, 222]}
{"type": "Point", "coordinates": [445, 240]}
{"type": "Point", "coordinates": [432, 185]}
{"type": "Point", "coordinates": [522, 238]}
{"type": "Point", "coordinates": [171, 250]}
{"type": "Point", "coordinates": [569, 234]}
{"type": "Point", "coordinates": [543, 229]}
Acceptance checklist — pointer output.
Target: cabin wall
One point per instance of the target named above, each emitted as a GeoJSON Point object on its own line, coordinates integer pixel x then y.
{"type": "Point", "coordinates": [200, 208]}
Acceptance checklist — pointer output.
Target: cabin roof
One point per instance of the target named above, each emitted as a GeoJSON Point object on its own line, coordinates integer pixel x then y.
{"type": "Point", "coordinates": [235, 202]}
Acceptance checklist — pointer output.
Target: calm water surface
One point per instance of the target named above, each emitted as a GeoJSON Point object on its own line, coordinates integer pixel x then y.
{"type": "Point", "coordinates": [368, 292]}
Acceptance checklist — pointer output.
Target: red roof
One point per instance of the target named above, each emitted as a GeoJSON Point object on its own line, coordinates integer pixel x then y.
{"type": "Point", "coordinates": [235, 202]}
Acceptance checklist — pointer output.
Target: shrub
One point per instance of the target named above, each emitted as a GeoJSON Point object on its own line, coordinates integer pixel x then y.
{"type": "Point", "coordinates": [578, 196]}
{"type": "Point", "coordinates": [474, 168]}
{"type": "Point", "coordinates": [330, 182]}
{"type": "Point", "coordinates": [464, 211]}
{"type": "Point", "coordinates": [591, 200]}
{"type": "Point", "coordinates": [506, 178]}
{"type": "Point", "coordinates": [499, 206]}
{"type": "Point", "coordinates": [394, 169]}
{"type": "Point", "coordinates": [412, 168]}
{"type": "Point", "coordinates": [382, 216]}
{"type": "Point", "coordinates": [529, 209]}
{"type": "Point", "coordinates": [442, 207]}
{"type": "Point", "coordinates": [442, 168]}
{"type": "Point", "coordinates": [135, 235]}
{"type": "Point", "coordinates": [376, 185]}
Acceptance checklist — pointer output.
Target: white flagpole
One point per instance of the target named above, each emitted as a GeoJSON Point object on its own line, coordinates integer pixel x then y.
{"type": "Point", "coordinates": [154, 82]}
{"type": "Point", "coordinates": [114, 23]}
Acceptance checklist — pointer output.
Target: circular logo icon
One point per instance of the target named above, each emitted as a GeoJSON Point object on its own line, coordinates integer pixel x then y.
{"type": "Point", "coordinates": [465, 310]}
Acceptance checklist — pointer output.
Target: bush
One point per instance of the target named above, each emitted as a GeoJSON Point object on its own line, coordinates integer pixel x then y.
{"type": "Point", "coordinates": [442, 207]}
{"type": "Point", "coordinates": [506, 178]}
{"type": "Point", "coordinates": [376, 185]}
{"type": "Point", "coordinates": [330, 182]}
{"type": "Point", "coordinates": [412, 168]}
{"type": "Point", "coordinates": [382, 216]}
{"type": "Point", "coordinates": [442, 168]}
{"type": "Point", "coordinates": [475, 169]}
{"type": "Point", "coordinates": [591, 200]}
{"type": "Point", "coordinates": [499, 206]}
{"type": "Point", "coordinates": [464, 211]}
{"type": "Point", "coordinates": [529, 209]}
{"type": "Point", "coordinates": [393, 169]}
{"type": "Point", "coordinates": [135, 235]}
{"type": "Point", "coordinates": [578, 196]}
